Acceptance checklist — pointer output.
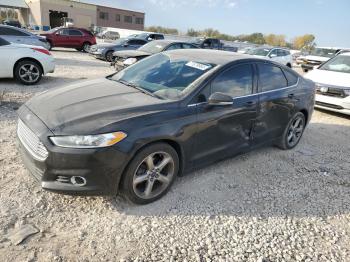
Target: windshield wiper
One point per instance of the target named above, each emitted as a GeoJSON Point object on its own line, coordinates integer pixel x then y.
{"type": "Point", "coordinates": [138, 88]}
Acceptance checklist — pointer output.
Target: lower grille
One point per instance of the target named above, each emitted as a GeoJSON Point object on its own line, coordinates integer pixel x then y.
{"type": "Point", "coordinates": [329, 105]}
{"type": "Point", "coordinates": [31, 142]}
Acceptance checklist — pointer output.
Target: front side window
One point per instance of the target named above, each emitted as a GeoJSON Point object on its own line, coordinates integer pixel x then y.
{"type": "Point", "coordinates": [170, 77]}
{"type": "Point", "coordinates": [281, 52]}
{"type": "Point", "coordinates": [188, 46]}
{"type": "Point", "coordinates": [64, 32]}
{"type": "Point", "coordinates": [236, 81]}
{"type": "Point", "coordinates": [174, 46]}
{"type": "Point", "coordinates": [340, 63]}
{"type": "Point", "coordinates": [259, 51]}
{"type": "Point", "coordinates": [271, 77]}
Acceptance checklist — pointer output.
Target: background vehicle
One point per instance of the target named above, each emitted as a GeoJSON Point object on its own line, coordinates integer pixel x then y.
{"type": "Point", "coordinates": [167, 114]}
{"type": "Point", "coordinates": [317, 56]}
{"type": "Point", "coordinates": [78, 38]}
{"type": "Point", "coordinates": [276, 54]}
{"type": "Point", "coordinates": [122, 59]}
{"type": "Point", "coordinates": [150, 36]}
{"type": "Point", "coordinates": [110, 35]}
{"type": "Point", "coordinates": [213, 43]}
{"type": "Point", "coordinates": [105, 51]}
{"type": "Point", "coordinates": [21, 36]}
{"type": "Point", "coordinates": [24, 62]}
{"type": "Point", "coordinates": [14, 23]}
{"type": "Point", "coordinates": [333, 84]}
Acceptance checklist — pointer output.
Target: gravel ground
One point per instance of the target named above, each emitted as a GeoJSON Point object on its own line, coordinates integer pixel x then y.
{"type": "Point", "coordinates": [267, 205]}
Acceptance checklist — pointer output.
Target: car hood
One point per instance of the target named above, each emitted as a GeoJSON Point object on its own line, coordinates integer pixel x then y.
{"type": "Point", "coordinates": [26, 46]}
{"type": "Point", "coordinates": [130, 53]}
{"type": "Point", "coordinates": [316, 58]}
{"type": "Point", "coordinates": [90, 107]}
{"type": "Point", "coordinates": [329, 78]}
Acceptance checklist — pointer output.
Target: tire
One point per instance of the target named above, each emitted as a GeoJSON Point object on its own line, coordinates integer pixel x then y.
{"type": "Point", "coordinates": [85, 47]}
{"type": "Point", "coordinates": [28, 72]}
{"type": "Point", "coordinates": [289, 65]}
{"type": "Point", "coordinates": [138, 176]}
{"type": "Point", "coordinates": [109, 56]}
{"type": "Point", "coordinates": [293, 131]}
{"type": "Point", "coordinates": [49, 45]}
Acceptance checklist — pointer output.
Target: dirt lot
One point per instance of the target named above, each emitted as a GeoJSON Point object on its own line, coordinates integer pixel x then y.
{"type": "Point", "coordinates": [267, 205]}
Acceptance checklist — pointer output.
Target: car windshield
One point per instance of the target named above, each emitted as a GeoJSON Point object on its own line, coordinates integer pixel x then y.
{"type": "Point", "coordinates": [258, 51]}
{"type": "Point", "coordinates": [164, 76]}
{"type": "Point", "coordinates": [142, 36]}
{"type": "Point", "coordinates": [325, 52]}
{"type": "Point", "coordinates": [153, 47]}
{"type": "Point", "coordinates": [339, 63]}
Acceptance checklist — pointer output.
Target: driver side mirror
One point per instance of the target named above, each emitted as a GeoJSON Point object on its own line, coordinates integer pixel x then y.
{"type": "Point", "coordinates": [272, 55]}
{"type": "Point", "coordinates": [220, 99]}
{"type": "Point", "coordinates": [125, 45]}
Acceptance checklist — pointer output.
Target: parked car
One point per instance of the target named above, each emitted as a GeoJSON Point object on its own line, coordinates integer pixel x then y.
{"type": "Point", "coordinates": [122, 59]}
{"type": "Point", "coordinates": [137, 130]}
{"type": "Point", "coordinates": [25, 63]}
{"type": "Point", "coordinates": [276, 54]}
{"type": "Point", "coordinates": [317, 56]}
{"type": "Point", "coordinates": [150, 36]}
{"type": "Point", "coordinates": [333, 84]}
{"type": "Point", "coordinates": [105, 51]}
{"type": "Point", "coordinates": [21, 36]}
{"type": "Point", "coordinates": [78, 38]}
{"type": "Point", "coordinates": [213, 43]}
{"type": "Point", "coordinates": [110, 35]}
{"type": "Point", "coordinates": [14, 23]}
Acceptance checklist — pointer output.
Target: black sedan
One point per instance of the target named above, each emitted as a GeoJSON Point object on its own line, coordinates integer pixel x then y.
{"type": "Point", "coordinates": [126, 58]}
{"type": "Point", "coordinates": [137, 130]}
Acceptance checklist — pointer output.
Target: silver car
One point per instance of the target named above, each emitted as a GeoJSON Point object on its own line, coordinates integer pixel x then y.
{"type": "Point", "coordinates": [21, 36]}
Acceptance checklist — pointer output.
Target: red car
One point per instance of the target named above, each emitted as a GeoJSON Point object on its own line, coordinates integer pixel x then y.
{"type": "Point", "coordinates": [78, 38]}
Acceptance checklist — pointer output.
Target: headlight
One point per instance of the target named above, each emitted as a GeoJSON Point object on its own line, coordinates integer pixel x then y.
{"type": "Point", "coordinates": [130, 61]}
{"type": "Point", "coordinates": [100, 49]}
{"type": "Point", "coordinates": [89, 141]}
{"type": "Point", "coordinates": [347, 92]}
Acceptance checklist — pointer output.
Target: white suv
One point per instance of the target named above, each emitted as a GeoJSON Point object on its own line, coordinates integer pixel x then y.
{"type": "Point", "coordinates": [277, 54]}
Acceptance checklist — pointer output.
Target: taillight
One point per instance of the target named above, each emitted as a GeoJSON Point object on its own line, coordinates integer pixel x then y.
{"type": "Point", "coordinates": [42, 50]}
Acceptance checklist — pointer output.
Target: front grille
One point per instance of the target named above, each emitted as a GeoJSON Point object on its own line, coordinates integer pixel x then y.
{"type": "Point", "coordinates": [31, 142]}
{"type": "Point", "coordinates": [331, 91]}
{"type": "Point", "coordinates": [329, 105]}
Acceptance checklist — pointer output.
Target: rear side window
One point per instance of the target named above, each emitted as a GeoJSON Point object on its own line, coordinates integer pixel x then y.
{"type": "Point", "coordinates": [271, 77]}
{"type": "Point", "coordinates": [74, 32]}
{"type": "Point", "coordinates": [291, 78]}
{"type": "Point", "coordinates": [136, 42]}
{"type": "Point", "coordinates": [12, 32]}
{"type": "Point", "coordinates": [158, 37]}
{"type": "Point", "coordinates": [235, 81]}
{"type": "Point", "coordinates": [188, 46]}
{"type": "Point", "coordinates": [174, 46]}
{"type": "Point", "coordinates": [3, 42]}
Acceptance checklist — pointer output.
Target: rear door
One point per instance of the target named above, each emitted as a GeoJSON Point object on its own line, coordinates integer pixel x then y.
{"type": "Point", "coordinates": [224, 130]}
{"type": "Point", "coordinates": [75, 38]}
{"type": "Point", "coordinates": [277, 102]}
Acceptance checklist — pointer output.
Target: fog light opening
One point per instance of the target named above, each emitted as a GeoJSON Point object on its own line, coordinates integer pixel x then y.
{"type": "Point", "coordinates": [78, 180]}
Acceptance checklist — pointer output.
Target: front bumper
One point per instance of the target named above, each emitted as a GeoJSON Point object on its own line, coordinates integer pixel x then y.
{"type": "Point", "coordinates": [100, 168]}
{"type": "Point", "coordinates": [334, 104]}
{"type": "Point", "coordinates": [97, 55]}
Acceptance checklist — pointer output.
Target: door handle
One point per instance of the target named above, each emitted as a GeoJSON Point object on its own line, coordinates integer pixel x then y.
{"type": "Point", "coordinates": [291, 96]}
{"type": "Point", "coordinates": [250, 103]}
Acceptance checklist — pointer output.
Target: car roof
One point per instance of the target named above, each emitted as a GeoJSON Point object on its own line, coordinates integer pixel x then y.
{"type": "Point", "coordinates": [168, 41]}
{"type": "Point", "coordinates": [345, 53]}
{"type": "Point", "coordinates": [210, 56]}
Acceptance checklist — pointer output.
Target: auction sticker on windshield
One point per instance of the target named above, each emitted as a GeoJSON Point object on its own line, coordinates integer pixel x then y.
{"type": "Point", "coordinates": [199, 66]}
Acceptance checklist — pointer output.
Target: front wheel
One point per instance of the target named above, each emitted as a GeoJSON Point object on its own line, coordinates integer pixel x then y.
{"type": "Point", "coordinates": [293, 132]}
{"type": "Point", "coordinates": [28, 72]}
{"type": "Point", "coordinates": [150, 174]}
{"type": "Point", "coordinates": [109, 56]}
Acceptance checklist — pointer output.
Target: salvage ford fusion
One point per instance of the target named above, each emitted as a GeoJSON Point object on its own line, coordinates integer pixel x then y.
{"type": "Point", "coordinates": [135, 131]}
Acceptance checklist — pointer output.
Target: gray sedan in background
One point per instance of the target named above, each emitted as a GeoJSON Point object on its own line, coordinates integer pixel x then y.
{"type": "Point", "coordinates": [21, 36]}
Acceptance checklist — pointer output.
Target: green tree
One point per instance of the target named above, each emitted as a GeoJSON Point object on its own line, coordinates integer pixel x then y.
{"type": "Point", "coordinates": [304, 42]}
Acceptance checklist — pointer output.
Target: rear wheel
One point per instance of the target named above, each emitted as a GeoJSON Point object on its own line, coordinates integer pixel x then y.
{"type": "Point", "coordinates": [28, 72]}
{"type": "Point", "coordinates": [109, 56]}
{"type": "Point", "coordinates": [293, 132]}
{"type": "Point", "coordinates": [49, 45]}
{"type": "Point", "coordinates": [86, 47]}
{"type": "Point", "coordinates": [150, 174]}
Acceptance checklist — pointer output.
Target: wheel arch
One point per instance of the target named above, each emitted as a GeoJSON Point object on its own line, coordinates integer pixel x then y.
{"type": "Point", "coordinates": [306, 114]}
{"type": "Point", "coordinates": [27, 58]}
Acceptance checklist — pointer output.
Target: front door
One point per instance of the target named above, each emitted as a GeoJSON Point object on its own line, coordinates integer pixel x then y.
{"type": "Point", "coordinates": [225, 130]}
{"type": "Point", "coordinates": [62, 38]}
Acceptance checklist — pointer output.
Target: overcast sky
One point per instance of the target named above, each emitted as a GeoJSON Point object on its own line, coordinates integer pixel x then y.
{"type": "Point", "coordinates": [328, 20]}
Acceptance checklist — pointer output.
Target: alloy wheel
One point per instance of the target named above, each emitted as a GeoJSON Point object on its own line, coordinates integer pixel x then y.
{"type": "Point", "coordinates": [295, 131]}
{"type": "Point", "coordinates": [153, 175]}
{"type": "Point", "coordinates": [29, 73]}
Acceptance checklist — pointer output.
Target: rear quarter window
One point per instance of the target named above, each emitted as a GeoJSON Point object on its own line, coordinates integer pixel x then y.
{"type": "Point", "coordinates": [271, 77]}
{"type": "Point", "coordinates": [291, 77]}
